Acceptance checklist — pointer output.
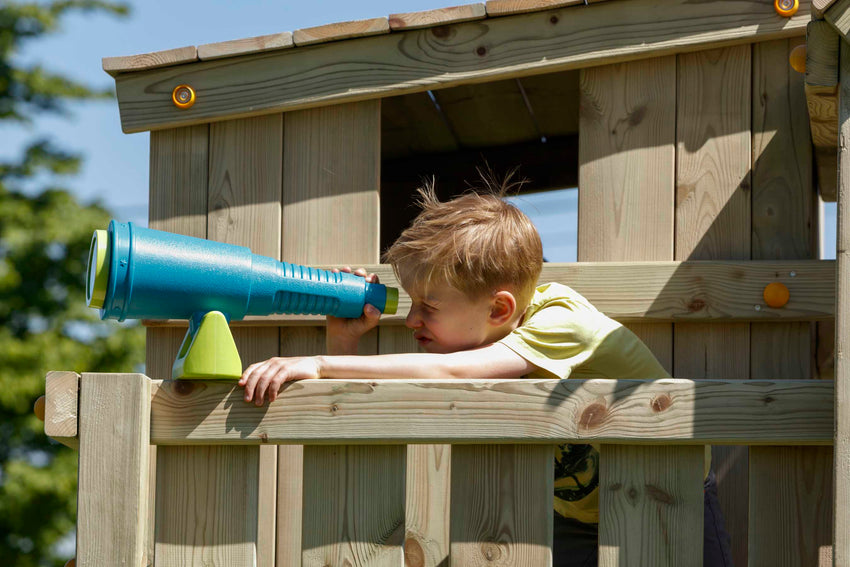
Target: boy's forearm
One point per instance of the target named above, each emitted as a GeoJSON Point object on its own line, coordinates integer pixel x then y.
{"type": "Point", "coordinates": [495, 361]}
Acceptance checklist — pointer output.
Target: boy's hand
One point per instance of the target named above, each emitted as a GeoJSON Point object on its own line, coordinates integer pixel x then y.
{"type": "Point", "coordinates": [343, 335]}
{"type": "Point", "coordinates": [269, 376]}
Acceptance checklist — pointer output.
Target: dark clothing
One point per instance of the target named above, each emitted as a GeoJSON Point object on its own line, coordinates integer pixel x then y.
{"type": "Point", "coordinates": [576, 544]}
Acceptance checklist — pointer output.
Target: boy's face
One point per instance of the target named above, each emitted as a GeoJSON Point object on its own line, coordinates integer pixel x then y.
{"type": "Point", "coordinates": [446, 320]}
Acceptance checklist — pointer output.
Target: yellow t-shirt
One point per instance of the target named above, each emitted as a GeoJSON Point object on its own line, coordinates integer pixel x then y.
{"type": "Point", "coordinates": [564, 336]}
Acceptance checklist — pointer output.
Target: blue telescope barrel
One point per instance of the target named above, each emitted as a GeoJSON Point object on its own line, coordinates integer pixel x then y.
{"type": "Point", "coordinates": [141, 273]}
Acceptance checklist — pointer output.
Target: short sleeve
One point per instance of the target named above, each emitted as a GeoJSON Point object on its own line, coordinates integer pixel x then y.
{"type": "Point", "coordinates": [559, 340]}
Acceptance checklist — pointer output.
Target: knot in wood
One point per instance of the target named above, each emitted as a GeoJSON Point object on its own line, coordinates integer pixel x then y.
{"type": "Point", "coordinates": [481, 51]}
{"type": "Point", "coordinates": [491, 551]}
{"type": "Point", "coordinates": [413, 554]}
{"type": "Point", "coordinates": [184, 387]}
{"type": "Point", "coordinates": [696, 304]}
{"type": "Point", "coordinates": [659, 495]}
{"type": "Point", "coordinates": [264, 437]}
{"type": "Point", "coordinates": [553, 20]}
{"type": "Point", "coordinates": [593, 416]}
{"type": "Point", "coordinates": [441, 32]}
{"type": "Point", "coordinates": [334, 408]}
{"type": "Point", "coordinates": [661, 402]}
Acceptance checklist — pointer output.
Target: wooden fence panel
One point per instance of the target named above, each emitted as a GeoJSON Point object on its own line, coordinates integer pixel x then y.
{"type": "Point", "coordinates": [713, 222]}
{"type": "Point", "coordinates": [651, 502]}
{"type": "Point", "coordinates": [501, 505]}
{"type": "Point", "coordinates": [795, 532]}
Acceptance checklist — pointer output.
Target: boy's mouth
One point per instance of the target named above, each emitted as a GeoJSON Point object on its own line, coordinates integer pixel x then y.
{"type": "Point", "coordinates": [422, 340]}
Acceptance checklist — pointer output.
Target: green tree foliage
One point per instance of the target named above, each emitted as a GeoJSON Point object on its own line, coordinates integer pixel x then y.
{"type": "Point", "coordinates": [44, 323]}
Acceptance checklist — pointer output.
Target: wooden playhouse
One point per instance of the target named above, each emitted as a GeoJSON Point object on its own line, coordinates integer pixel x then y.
{"type": "Point", "coordinates": [701, 159]}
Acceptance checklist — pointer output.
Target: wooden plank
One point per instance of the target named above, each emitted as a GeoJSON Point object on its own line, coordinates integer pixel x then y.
{"type": "Point", "coordinates": [113, 481]}
{"type": "Point", "coordinates": [842, 330]}
{"type": "Point", "coordinates": [701, 291]}
{"type": "Point", "coordinates": [206, 505]}
{"type": "Point", "coordinates": [713, 221]}
{"type": "Point", "coordinates": [428, 486]}
{"type": "Point", "coordinates": [504, 411]}
{"type": "Point", "coordinates": [626, 159]}
{"type": "Point", "coordinates": [438, 17]}
{"type": "Point", "coordinates": [179, 171]}
{"type": "Point", "coordinates": [244, 208]}
{"type": "Point", "coordinates": [783, 211]}
{"type": "Point", "coordinates": [819, 7]}
{"type": "Point", "coordinates": [652, 498]}
{"type": "Point", "coordinates": [509, 7]}
{"type": "Point", "coordinates": [838, 15]}
{"type": "Point", "coordinates": [822, 100]}
{"type": "Point", "coordinates": [145, 61]}
{"type": "Point", "coordinates": [791, 487]}
{"type": "Point", "coordinates": [341, 30]}
{"type": "Point", "coordinates": [61, 393]}
{"type": "Point", "coordinates": [362, 523]}
{"type": "Point", "coordinates": [232, 48]}
{"type": "Point", "coordinates": [332, 164]}
{"type": "Point", "coordinates": [511, 47]}
{"type": "Point", "coordinates": [501, 505]}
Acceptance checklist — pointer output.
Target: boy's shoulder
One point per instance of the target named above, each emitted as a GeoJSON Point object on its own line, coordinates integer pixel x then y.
{"type": "Point", "coordinates": [558, 294]}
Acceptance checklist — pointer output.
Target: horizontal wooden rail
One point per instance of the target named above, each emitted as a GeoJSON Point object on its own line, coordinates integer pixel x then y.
{"type": "Point", "coordinates": [784, 412]}
{"type": "Point", "coordinates": [661, 291]}
{"type": "Point", "coordinates": [418, 60]}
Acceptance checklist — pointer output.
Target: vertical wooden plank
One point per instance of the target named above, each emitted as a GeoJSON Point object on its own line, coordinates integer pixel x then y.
{"type": "Point", "coordinates": [244, 208]}
{"type": "Point", "coordinates": [428, 487]}
{"type": "Point", "coordinates": [331, 216]}
{"type": "Point", "coordinates": [793, 531]}
{"type": "Point", "coordinates": [652, 501]}
{"type": "Point", "coordinates": [713, 222]}
{"type": "Point", "coordinates": [114, 423]}
{"type": "Point", "coordinates": [179, 170]}
{"type": "Point", "coordinates": [842, 328]}
{"type": "Point", "coordinates": [501, 505]}
{"type": "Point", "coordinates": [626, 173]}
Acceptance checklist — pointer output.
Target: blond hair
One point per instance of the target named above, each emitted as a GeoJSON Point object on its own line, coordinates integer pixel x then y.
{"type": "Point", "coordinates": [477, 243]}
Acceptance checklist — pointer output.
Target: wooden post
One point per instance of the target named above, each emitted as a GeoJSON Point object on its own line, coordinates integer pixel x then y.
{"type": "Point", "coordinates": [842, 335]}
{"type": "Point", "coordinates": [113, 494]}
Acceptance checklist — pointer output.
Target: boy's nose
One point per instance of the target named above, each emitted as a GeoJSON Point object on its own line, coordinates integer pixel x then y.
{"type": "Point", "coordinates": [413, 321]}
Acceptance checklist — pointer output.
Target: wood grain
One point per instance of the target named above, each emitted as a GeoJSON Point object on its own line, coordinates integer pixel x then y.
{"type": "Point", "coordinates": [145, 61]}
{"type": "Point", "coordinates": [838, 15]}
{"type": "Point", "coordinates": [113, 480]}
{"type": "Point", "coordinates": [244, 208]}
{"type": "Point", "coordinates": [341, 30]}
{"type": "Point", "coordinates": [232, 48]}
{"type": "Point", "coordinates": [700, 291]}
{"type": "Point", "coordinates": [713, 221]}
{"type": "Point", "coordinates": [842, 329]}
{"type": "Point", "coordinates": [61, 393]}
{"type": "Point", "coordinates": [509, 7]}
{"type": "Point", "coordinates": [438, 17]}
{"type": "Point", "coordinates": [501, 505]}
{"type": "Point", "coordinates": [822, 100]}
{"type": "Point", "coordinates": [626, 160]}
{"type": "Point", "coordinates": [417, 60]}
{"type": "Point", "coordinates": [783, 200]}
{"type": "Point", "coordinates": [652, 498]}
{"type": "Point", "coordinates": [505, 411]}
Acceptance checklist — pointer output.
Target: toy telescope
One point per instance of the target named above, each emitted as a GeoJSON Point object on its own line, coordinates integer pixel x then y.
{"type": "Point", "coordinates": [141, 273]}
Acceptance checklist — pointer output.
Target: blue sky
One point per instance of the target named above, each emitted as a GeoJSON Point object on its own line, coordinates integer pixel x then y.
{"type": "Point", "coordinates": [115, 171]}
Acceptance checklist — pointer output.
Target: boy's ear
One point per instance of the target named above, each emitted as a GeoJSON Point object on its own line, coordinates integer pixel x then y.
{"type": "Point", "coordinates": [502, 307]}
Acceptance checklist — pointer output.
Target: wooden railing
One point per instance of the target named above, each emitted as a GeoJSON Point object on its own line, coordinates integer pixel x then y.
{"type": "Point", "coordinates": [486, 497]}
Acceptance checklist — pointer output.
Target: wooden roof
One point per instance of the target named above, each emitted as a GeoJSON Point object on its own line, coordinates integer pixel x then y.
{"type": "Point", "coordinates": [426, 51]}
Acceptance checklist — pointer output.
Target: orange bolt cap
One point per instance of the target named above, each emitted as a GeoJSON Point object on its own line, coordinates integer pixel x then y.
{"type": "Point", "coordinates": [786, 8]}
{"type": "Point", "coordinates": [183, 96]}
{"type": "Point", "coordinates": [38, 408]}
{"type": "Point", "coordinates": [776, 295]}
{"type": "Point", "coordinates": [798, 58]}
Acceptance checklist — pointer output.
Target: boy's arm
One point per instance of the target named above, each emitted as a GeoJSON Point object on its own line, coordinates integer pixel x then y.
{"type": "Point", "coordinates": [493, 361]}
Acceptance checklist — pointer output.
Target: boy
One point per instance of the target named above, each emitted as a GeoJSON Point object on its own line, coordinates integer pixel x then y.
{"type": "Point", "coordinates": [470, 267]}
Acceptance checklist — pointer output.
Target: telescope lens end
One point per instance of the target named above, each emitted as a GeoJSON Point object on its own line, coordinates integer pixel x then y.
{"type": "Point", "coordinates": [391, 305]}
{"type": "Point", "coordinates": [97, 270]}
